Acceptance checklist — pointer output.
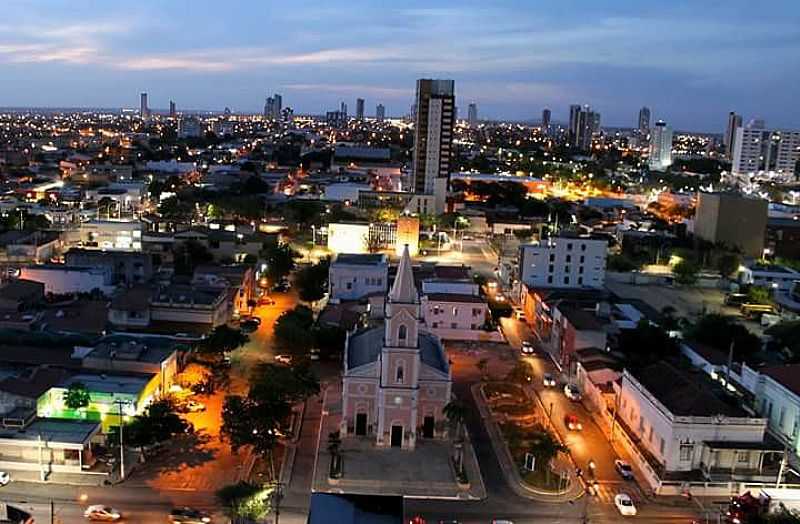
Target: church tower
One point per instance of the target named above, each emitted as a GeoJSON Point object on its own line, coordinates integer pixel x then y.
{"type": "Point", "coordinates": [400, 361]}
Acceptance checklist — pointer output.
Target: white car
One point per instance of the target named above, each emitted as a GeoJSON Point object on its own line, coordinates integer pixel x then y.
{"type": "Point", "coordinates": [572, 392]}
{"type": "Point", "coordinates": [548, 380]}
{"type": "Point", "coordinates": [283, 359]}
{"type": "Point", "coordinates": [625, 505]}
{"type": "Point", "coordinates": [5, 478]}
{"type": "Point", "coordinates": [527, 348]}
{"type": "Point", "coordinates": [100, 512]}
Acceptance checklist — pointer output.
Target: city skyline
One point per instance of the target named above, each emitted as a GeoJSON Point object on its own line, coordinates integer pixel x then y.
{"type": "Point", "coordinates": [690, 64]}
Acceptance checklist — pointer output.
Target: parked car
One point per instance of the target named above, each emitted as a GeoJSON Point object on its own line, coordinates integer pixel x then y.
{"type": "Point", "coordinates": [527, 348]}
{"type": "Point", "coordinates": [283, 359]}
{"type": "Point", "coordinates": [248, 326]}
{"type": "Point", "coordinates": [265, 301]}
{"type": "Point", "coordinates": [194, 406]}
{"type": "Point", "coordinates": [188, 516]}
{"type": "Point", "coordinates": [572, 392]}
{"type": "Point", "coordinates": [625, 505]}
{"type": "Point", "coordinates": [572, 423]}
{"type": "Point", "coordinates": [548, 380]}
{"type": "Point", "coordinates": [314, 353]}
{"type": "Point", "coordinates": [624, 469]}
{"type": "Point", "coordinates": [5, 478]}
{"type": "Point", "coordinates": [104, 513]}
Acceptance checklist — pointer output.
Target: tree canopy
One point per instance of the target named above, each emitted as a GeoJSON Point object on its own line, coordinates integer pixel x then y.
{"type": "Point", "coordinates": [223, 339]}
{"type": "Point", "coordinates": [158, 423]}
{"type": "Point", "coordinates": [686, 272]}
{"type": "Point", "coordinates": [293, 330]}
{"type": "Point", "coordinates": [719, 331]}
{"type": "Point", "coordinates": [312, 280]}
{"type": "Point", "coordinates": [645, 344]}
{"type": "Point", "coordinates": [76, 396]}
{"type": "Point", "coordinates": [280, 259]}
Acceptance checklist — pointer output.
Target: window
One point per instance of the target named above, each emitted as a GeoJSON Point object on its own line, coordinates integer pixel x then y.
{"type": "Point", "coordinates": [686, 452]}
{"type": "Point", "coordinates": [349, 285]}
{"type": "Point", "coordinates": [436, 310]}
{"type": "Point", "coordinates": [476, 312]}
{"type": "Point", "coordinates": [435, 325]}
{"type": "Point", "coordinates": [781, 417]}
{"type": "Point", "coordinates": [742, 457]}
{"type": "Point", "coordinates": [661, 446]}
{"type": "Point", "coordinates": [552, 258]}
{"type": "Point", "coordinates": [569, 246]}
{"type": "Point", "coordinates": [402, 333]}
{"type": "Point", "coordinates": [650, 436]}
{"type": "Point", "coordinates": [569, 258]}
{"type": "Point", "coordinates": [641, 424]}
{"type": "Point", "coordinates": [399, 374]}
{"type": "Point", "coordinates": [583, 259]}
{"type": "Point", "coordinates": [552, 268]}
{"type": "Point", "coordinates": [583, 248]}
{"type": "Point", "coordinates": [455, 311]}
{"type": "Point", "coordinates": [453, 325]}
{"type": "Point", "coordinates": [580, 270]}
{"type": "Point", "coordinates": [566, 280]}
{"type": "Point", "coordinates": [550, 279]}
{"type": "Point", "coordinates": [580, 281]}
{"type": "Point", "coordinates": [566, 269]}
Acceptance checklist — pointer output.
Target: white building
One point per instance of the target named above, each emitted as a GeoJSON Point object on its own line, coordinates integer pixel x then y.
{"type": "Point", "coordinates": [758, 150]}
{"type": "Point", "coordinates": [355, 276]}
{"type": "Point", "coordinates": [769, 276]}
{"type": "Point", "coordinates": [660, 147]}
{"type": "Point", "coordinates": [564, 262]}
{"type": "Point", "coordinates": [63, 280]}
{"type": "Point", "coordinates": [112, 235]}
{"type": "Point", "coordinates": [680, 425]}
{"type": "Point", "coordinates": [433, 137]}
{"type": "Point", "coordinates": [450, 315]}
{"type": "Point", "coordinates": [345, 192]}
{"type": "Point", "coordinates": [778, 400]}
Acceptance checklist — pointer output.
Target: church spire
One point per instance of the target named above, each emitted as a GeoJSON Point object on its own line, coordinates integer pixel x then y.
{"type": "Point", "coordinates": [403, 290]}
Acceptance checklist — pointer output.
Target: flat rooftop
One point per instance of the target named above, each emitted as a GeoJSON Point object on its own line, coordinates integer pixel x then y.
{"type": "Point", "coordinates": [52, 430]}
{"type": "Point", "coordinates": [118, 384]}
{"type": "Point", "coordinates": [360, 259]}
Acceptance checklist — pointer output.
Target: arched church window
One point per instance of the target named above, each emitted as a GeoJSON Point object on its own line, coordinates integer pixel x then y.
{"type": "Point", "coordinates": [402, 333]}
{"type": "Point", "coordinates": [399, 374]}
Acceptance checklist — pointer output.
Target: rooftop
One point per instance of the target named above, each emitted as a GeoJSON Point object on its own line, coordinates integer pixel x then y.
{"type": "Point", "coordinates": [365, 347]}
{"type": "Point", "coordinates": [685, 393]}
{"type": "Point", "coordinates": [103, 383]}
{"type": "Point", "coordinates": [132, 349]}
{"type": "Point", "coordinates": [787, 376]}
{"type": "Point", "coordinates": [360, 259]}
{"type": "Point", "coordinates": [51, 430]}
{"type": "Point", "coordinates": [454, 297]}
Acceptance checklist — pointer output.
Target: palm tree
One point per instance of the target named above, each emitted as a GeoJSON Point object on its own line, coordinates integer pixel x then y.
{"type": "Point", "coordinates": [456, 414]}
{"type": "Point", "coordinates": [545, 447]}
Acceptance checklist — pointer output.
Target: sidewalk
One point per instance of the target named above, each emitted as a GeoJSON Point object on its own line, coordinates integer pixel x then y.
{"type": "Point", "coordinates": [510, 470]}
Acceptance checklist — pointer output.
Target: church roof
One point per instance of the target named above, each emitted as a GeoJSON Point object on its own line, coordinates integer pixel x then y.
{"type": "Point", "coordinates": [404, 291]}
{"type": "Point", "coordinates": [365, 347]}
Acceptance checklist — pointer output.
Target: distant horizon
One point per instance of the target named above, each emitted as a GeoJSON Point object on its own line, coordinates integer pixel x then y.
{"type": "Point", "coordinates": [165, 112]}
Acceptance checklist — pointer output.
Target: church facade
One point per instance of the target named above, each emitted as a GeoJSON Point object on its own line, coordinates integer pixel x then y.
{"type": "Point", "coordinates": [396, 377]}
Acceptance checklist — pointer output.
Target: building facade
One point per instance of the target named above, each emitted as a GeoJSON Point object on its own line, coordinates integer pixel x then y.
{"type": "Point", "coordinates": [433, 133]}
{"type": "Point", "coordinates": [733, 220]}
{"type": "Point", "coordinates": [396, 376]}
{"type": "Point", "coordinates": [660, 147]}
{"type": "Point", "coordinates": [564, 262]}
{"type": "Point", "coordinates": [758, 150]}
{"type": "Point", "coordinates": [354, 276]}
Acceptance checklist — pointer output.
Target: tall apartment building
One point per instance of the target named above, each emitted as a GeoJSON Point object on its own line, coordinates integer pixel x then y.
{"type": "Point", "coordinates": [583, 124]}
{"type": "Point", "coordinates": [762, 150]}
{"type": "Point", "coordinates": [734, 123]}
{"type": "Point", "coordinates": [172, 111]}
{"type": "Point", "coordinates": [564, 262]}
{"type": "Point", "coordinates": [273, 107]}
{"type": "Point", "coordinates": [546, 114]}
{"type": "Point", "coordinates": [360, 108]}
{"type": "Point", "coordinates": [733, 220]}
{"type": "Point", "coordinates": [144, 110]}
{"type": "Point", "coordinates": [644, 121]}
{"type": "Point", "coordinates": [433, 136]}
{"type": "Point", "coordinates": [472, 115]}
{"type": "Point", "coordinates": [380, 113]}
{"type": "Point", "coordinates": [660, 147]}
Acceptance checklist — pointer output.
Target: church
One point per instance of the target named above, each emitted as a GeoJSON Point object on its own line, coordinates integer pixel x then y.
{"type": "Point", "coordinates": [396, 377]}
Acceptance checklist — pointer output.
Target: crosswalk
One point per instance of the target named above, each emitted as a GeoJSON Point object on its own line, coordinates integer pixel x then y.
{"type": "Point", "coordinates": [606, 491]}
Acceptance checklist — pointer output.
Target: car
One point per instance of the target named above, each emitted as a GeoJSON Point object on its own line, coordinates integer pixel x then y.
{"type": "Point", "coordinates": [187, 515]}
{"type": "Point", "coordinates": [624, 469]}
{"type": "Point", "coordinates": [104, 513]}
{"type": "Point", "coordinates": [527, 348]}
{"type": "Point", "coordinates": [625, 505]}
{"type": "Point", "coordinates": [265, 301]}
{"type": "Point", "coordinates": [314, 353]}
{"type": "Point", "coordinates": [548, 380]}
{"type": "Point", "coordinates": [572, 392]}
{"type": "Point", "coordinates": [572, 423]}
{"type": "Point", "coordinates": [501, 521]}
{"type": "Point", "coordinates": [194, 406]}
{"type": "Point", "coordinates": [249, 326]}
{"type": "Point", "coordinates": [283, 359]}
{"type": "Point", "coordinates": [5, 478]}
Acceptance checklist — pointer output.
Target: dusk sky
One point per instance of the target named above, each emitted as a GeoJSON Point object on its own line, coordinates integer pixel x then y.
{"type": "Point", "coordinates": [690, 63]}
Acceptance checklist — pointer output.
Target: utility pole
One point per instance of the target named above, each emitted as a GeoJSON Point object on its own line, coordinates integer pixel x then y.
{"type": "Point", "coordinates": [119, 404]}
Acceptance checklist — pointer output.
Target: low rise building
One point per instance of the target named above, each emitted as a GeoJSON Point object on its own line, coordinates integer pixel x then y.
{"type": "Point", "coordinates": [126, 267]}
{"type": "Point", "coordinates": [354, 276]}
{"type": "Point", "coordinates": [732, 220]}
{"type": "Point", "coordinates": [26, 247]}
{"type": "Point", "coordinates": [110, 235]}
{"type": "Point", "coordinates": [771, 276]}
{"type": "Point", "coordinates": [60, 279]}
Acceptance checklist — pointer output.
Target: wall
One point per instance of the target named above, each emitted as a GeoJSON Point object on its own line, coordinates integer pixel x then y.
{"type": "Point", "coordinates": [64, 280]}
{"type": "Point", "coordinates": [454, 315]}
{"type": "Point", "coordinates": [352, 282]}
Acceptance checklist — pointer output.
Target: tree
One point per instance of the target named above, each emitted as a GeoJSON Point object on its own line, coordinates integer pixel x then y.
{"type": "Point", "coordinates": [245, 500]}
{"type": "Point", "coordinates": [329, 340]}
{"type": "Point", "coordinates": [728, 264]}
{"type": "Point", "coordinates": [646, 344]}
{"type": "Point", "coordinates": [188, 255]}
{"type": "Point", "coordinates": [293, 330]}
{"type": "Point", "coordinates": [545, 447]}
{"type": "Point", "coordinates": [222, 340]}
{"type": "Point", "coordinates": [686, 272]}
{"type": "Point", "coordinates": [719, 331]}
{"type": "Point", "coordinates": [786, 337]}
{"type": "Point", "coordinates": [456, 414]}
{"type": "Point", "coordinates": [271, 382]}
{"type": "Point", "coordinates": [759, 295]}
{"type": "Point", "coordinates": [158, 423]}
{"type": "Point", "coordinates": [312, 280]}
{"type": "Point", "coordinates": [520, 374]}
{"type": "Point", "coordinates": [280, 260]}
{"type": "Point", "coordinates": [76, 396]}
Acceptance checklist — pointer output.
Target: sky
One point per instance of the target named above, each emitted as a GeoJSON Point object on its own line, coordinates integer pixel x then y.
{"type": "Point", "coordinates": [691, 62]}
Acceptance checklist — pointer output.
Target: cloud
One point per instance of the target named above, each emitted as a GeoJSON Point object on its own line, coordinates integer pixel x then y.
{"type": "Point", "coordinates": [349, 89]}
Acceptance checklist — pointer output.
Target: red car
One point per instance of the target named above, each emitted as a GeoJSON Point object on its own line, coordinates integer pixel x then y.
{"type": "Point", "coordinates": [572, 423]}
